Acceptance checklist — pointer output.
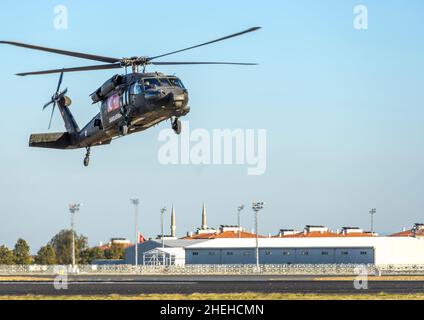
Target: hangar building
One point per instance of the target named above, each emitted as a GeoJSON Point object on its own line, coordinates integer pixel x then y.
{"type": "Point", "coordinates": [313, 245]}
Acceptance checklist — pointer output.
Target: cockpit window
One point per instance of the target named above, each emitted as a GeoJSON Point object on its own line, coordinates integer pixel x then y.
{"type": "Point", "coordinates": [177, 83]}
{"type": "Point", "coordinates": [151, 83]}
{"type": "Point", "coordinates": [165, 82]}
{"type": "Point", "coordinates": [136, 88]}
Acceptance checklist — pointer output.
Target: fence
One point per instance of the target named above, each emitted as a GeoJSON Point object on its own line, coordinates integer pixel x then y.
{"type": "Point", "coordinates": [284, 270]}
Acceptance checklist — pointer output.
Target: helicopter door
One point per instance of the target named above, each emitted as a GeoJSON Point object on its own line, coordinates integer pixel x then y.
{"type": "Point", "coordinates": [111, 110]}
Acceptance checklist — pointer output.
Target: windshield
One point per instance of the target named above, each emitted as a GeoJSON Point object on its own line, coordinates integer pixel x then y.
{"type": "Point", "coordinates": [165, 82]}
{"type": "Point", "coordinates": [177, 83]}
{"type": "Point", "coordinates": [152, 83]}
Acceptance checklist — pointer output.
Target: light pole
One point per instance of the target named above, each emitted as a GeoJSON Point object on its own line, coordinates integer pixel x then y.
{"type": "Point", "coordinates": [372, 213]}
{"type": "Point", "coordinates": [73, 208]}
{"type": "Point", "coordinates": [162, 213]}
{"type": "Point", "coordinates": [257, 206]}
{"type": "Point", "coordinates": [136, 202]}
{"type": "Point", "coordinates": [239, 210]}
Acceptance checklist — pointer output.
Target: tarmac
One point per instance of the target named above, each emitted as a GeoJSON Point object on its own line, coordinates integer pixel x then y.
{"type": "Point", "coordinates": [137, 285]}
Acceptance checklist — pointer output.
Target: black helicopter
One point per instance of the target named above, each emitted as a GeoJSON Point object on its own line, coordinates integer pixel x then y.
{"type": "Point", "coordinates": [130, 103]}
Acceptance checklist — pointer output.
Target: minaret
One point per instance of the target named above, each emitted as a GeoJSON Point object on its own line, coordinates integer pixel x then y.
{"type": "Point", "coordinates": [173, 223]}
{"type": "Point", "coordinates": [204, 224]}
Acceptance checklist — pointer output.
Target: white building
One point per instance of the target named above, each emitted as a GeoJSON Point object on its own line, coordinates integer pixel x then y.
{"type": "Point", "coordinates": [332, 250]}
{"type": "Point", "coordinates": [363, 250]}
{"type": "Point", "coordinates": [315, 245]}
{"type": "Point", "coordinates": [164, 256]}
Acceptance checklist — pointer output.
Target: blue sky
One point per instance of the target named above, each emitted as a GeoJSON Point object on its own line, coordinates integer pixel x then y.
{"type": "Point", "coordinates": [343, 110]}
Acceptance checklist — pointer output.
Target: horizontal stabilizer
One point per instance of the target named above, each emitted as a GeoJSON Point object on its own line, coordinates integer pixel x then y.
{"type": "Point", "coordinates": [61, 140]}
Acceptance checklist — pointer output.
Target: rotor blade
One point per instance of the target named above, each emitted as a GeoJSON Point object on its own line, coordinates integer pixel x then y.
{"type": "Point", "coordinates": [202, 63]}
{"type": "Point", "coordinates": [48, 104]}
{"type": "Point", "coordinates": [89, 68]}
{"type": "Point", "coordinates": [59, 83]}
{"type": "Point", "coordinates": [63, 52]}
{"type": "Point", "coordinates": [51, 117]}
{"type": "Point", "coordinates": [207, 43]}
{"type": "Point", "coordinates": [64, 92]}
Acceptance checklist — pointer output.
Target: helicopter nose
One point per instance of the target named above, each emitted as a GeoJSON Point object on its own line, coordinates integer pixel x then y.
{"type": "Point", "coordinates": [179, 99]}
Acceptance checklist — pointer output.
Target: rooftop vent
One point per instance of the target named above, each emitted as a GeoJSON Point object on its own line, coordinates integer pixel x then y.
{"type": "Point", "coordinates": [418, 230]}
{"type": "Point", "coordinates": [234, 229]}
{"type": "Point", "coordinates": [287, 232]}
{"type": "Point", "coordinates": [320, 229]}
{"type": "Point", "coordinates": [351, 230]}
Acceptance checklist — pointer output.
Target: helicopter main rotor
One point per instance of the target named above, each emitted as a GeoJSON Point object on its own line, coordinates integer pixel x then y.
{"type": "Point", "coordinates": [133, 62]}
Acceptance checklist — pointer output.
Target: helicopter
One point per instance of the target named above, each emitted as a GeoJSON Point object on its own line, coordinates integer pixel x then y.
{"type": "Point", "coordinates": [129, 103]}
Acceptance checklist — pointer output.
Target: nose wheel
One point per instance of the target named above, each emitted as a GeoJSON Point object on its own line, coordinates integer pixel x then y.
{"type": "Point", "coordinates": [87, 157]}
{"type": "Point", "coordinates": [177, 126]}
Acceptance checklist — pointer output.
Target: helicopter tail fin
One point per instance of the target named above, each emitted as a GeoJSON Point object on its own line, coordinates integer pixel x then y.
{"type": "Point", "coordinates": [69, 120]}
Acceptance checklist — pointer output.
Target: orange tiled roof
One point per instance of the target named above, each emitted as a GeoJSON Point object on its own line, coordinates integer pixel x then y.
{"type": "Point", "coordinates": [223, 235]}
{"type": "Point", "coordinates": [325, 235]}
{"type": "Point", "coordinates": [231, 234]}
{"type": "Point", "coordinates": [407, 233]}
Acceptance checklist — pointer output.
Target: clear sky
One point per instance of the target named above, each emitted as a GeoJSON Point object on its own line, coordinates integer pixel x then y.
{"type": "Point", "coordinates": [343, 110]}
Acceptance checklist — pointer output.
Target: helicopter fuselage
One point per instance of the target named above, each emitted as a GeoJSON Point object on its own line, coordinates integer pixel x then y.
{"type": "Point", "coordinates": [128, 104]}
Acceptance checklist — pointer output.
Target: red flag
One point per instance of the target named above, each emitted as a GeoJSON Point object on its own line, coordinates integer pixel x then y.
{"type": "Point", "coordinates": [141, 239]}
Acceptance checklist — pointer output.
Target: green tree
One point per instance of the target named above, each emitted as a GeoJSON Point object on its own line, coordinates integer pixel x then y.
{"type": "Point", "coordinates": [91, 254]}
{"type": "Point", "coordinates": [22, 253]}
{"type": "Point", "coordinates": [46, 256]}
{"type": "Point", "coordinates": [62, 245]}
{"type": "Point", "coordinates": [6, 256]}
{"type": "Point", "coordinates": [115, 252]}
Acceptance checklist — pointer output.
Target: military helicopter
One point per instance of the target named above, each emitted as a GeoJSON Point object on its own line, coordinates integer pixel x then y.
{"type": "Point", "coordinates": [129, 103]}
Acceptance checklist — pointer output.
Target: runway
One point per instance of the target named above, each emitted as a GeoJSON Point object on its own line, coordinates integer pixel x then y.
{"type": "Point", "coordinates": [190, 285]}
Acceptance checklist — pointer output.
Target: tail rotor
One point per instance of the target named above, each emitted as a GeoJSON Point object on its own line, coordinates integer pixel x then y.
{"type": "Point", "coordinates": [55, 99]}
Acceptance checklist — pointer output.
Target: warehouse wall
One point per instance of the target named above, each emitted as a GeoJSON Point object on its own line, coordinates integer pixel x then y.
{"type": "Point", "coordinates": [281, 256]}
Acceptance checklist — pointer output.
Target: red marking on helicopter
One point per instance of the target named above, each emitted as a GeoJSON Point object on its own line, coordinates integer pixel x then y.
{"type": "Point", "coordinates": [113, 103]}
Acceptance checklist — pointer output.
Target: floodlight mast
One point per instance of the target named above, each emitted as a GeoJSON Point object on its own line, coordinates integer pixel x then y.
{"type": "Point", "coordinates": [73, 208]}
{"type": "Point", "coordinates": [136, 203]}
{"type": "Point", "coordinates": [239, 210]}
{"type": "Point", "coordinates": [162, 213]}
{"type": "Point", "coordinates": [372, 213]}
{"type": "Point", "coordinates": [257, 207]}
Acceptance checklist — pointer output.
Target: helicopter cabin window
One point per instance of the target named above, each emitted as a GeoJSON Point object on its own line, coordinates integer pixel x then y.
{"type": "Point", "coordinates": [177, 83]}
{"type": "Point", "coordinates": [165, 82]}
{"type": "Point", "coordinates": [136, 88]}
{"type": "Point", "coordinates": [151, 83]}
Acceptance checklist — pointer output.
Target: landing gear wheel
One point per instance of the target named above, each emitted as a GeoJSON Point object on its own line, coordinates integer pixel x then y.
{"type": "Point", "coordinates": [87, 157]}
{"type": "Point", "coordinates": [177, 126]}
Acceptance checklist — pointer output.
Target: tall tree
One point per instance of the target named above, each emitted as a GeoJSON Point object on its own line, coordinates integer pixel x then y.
{"type": "Point", "coordinates": [46, 256]}
{"type": "Point", "coordinates": [115, 252]}
{"type": "Point", "coordinates": [22, 253]}
{"type": "Point", "coordinates": [6, 256]}
{"type": "Point", "coordinates": [62, 245]}
{"type": "Point", "coordinates": [91, 254]}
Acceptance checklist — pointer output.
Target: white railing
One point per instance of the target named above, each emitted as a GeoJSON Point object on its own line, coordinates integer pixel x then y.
{"type": "Point", "coordinates": [315, 270]}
